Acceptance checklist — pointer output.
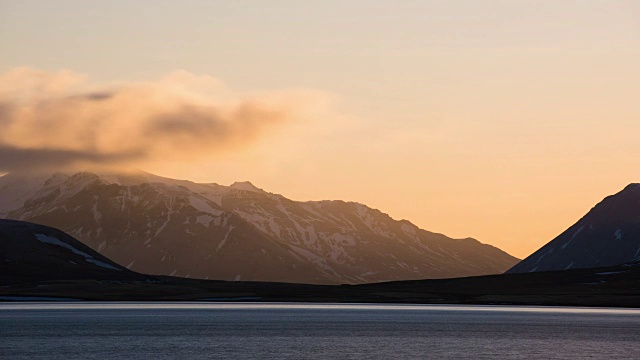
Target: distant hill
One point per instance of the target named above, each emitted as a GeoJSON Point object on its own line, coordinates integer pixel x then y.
{"type": "Point", "coordinates": [157, 225]}
{"type": "Point", "coordinates": [30, 252]}
{"type": "Point", "coordinates": [607, 235]}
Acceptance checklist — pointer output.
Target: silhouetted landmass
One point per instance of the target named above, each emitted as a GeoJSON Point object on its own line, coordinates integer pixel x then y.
{"type": "Point", "coordinates": [37, 266]}
{"type": "Point", "coordinates": [31, 252]}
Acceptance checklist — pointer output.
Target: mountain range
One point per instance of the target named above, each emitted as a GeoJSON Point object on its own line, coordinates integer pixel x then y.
{"type": "Point", "coordinates": [156, 225]}
{"type": "Point", "coordinates": [43, 263]}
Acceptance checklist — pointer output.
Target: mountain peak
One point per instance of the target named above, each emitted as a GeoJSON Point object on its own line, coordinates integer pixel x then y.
{"type": "Point", "coordinates": [606, 236]}
{"type": "Point", "coordinates": [245, 185]}
{"type": "Point", "coordinates": [633, 187]}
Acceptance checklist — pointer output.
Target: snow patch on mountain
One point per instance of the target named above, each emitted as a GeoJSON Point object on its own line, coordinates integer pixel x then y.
{"type": "Point", "coordinates": [88, 258]}
{"type": "Point", "coordinates": [564, 246]}
{"type": "Point", "coordinates": [200, 204]}
{"type": "Point", "coordinates": [102, 264]}
{"type": "Point", "coordinates": [96, 214]}
{"type": "Point", "coordinates": [618, 234]}
{"type": "Point", "coordinates": [55, 241]}
{"type": "Point", "coordinates": [226, 236]}
{"type": "Point", "coordinates": [204, 219]}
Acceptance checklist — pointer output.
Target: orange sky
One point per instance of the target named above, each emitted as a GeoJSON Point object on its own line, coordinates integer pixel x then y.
{"type": "Point", "coordinates": [503, 121]}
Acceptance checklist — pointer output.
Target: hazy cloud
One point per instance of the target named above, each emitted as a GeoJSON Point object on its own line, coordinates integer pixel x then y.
{"type": "Point", "coordinates": [59, 119]}
{"type": "Point", "coordinates": [18, 158]}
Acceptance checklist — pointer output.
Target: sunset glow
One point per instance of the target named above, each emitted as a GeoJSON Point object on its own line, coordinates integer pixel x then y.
{"type": "Point", "coordinates": [501, 121]}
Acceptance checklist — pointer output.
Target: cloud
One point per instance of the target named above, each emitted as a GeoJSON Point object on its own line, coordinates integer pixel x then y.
{"type": "Point", "coordinates": [58, 119]}
{"type": "Point", "coordinates": [19, 158]}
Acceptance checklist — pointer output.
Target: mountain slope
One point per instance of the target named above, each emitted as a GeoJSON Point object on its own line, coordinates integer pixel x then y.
{"type": "Point", "coordinates": [35, 252]}
{"type": "Point", "coordinates": [607, 235]}
{"type": "Point", "coordinates": [239, 232]}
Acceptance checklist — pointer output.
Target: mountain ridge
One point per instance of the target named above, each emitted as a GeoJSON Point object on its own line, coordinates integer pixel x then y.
{"type": "Point", "coordinates": [159, 225]}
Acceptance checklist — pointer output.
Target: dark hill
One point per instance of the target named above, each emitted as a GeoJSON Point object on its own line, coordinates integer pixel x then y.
{"type": "Point", "coordinates": [607, 235]}
{"type": "Point", "coordinates": [30, 252]}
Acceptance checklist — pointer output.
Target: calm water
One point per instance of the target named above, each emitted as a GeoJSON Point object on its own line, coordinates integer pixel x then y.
{"type": "Point", "coordinates": [284, 331]}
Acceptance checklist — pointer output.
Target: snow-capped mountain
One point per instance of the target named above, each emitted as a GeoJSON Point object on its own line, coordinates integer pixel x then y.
{"type": "Point", "coordinates": [607, 235]}
{"type": "Point", "coordinates": [157, 225]}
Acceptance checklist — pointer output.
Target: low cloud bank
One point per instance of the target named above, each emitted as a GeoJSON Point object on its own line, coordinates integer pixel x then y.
{"type": "Point", "coordinates": [59, 119]}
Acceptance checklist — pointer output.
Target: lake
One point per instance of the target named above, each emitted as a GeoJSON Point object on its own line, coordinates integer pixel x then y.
{"type": "Point", "coordinates": [78, 330]}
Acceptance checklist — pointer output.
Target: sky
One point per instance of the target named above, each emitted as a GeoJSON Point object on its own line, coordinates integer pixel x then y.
{"type": "Point", "coordinates": [505, 121]}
